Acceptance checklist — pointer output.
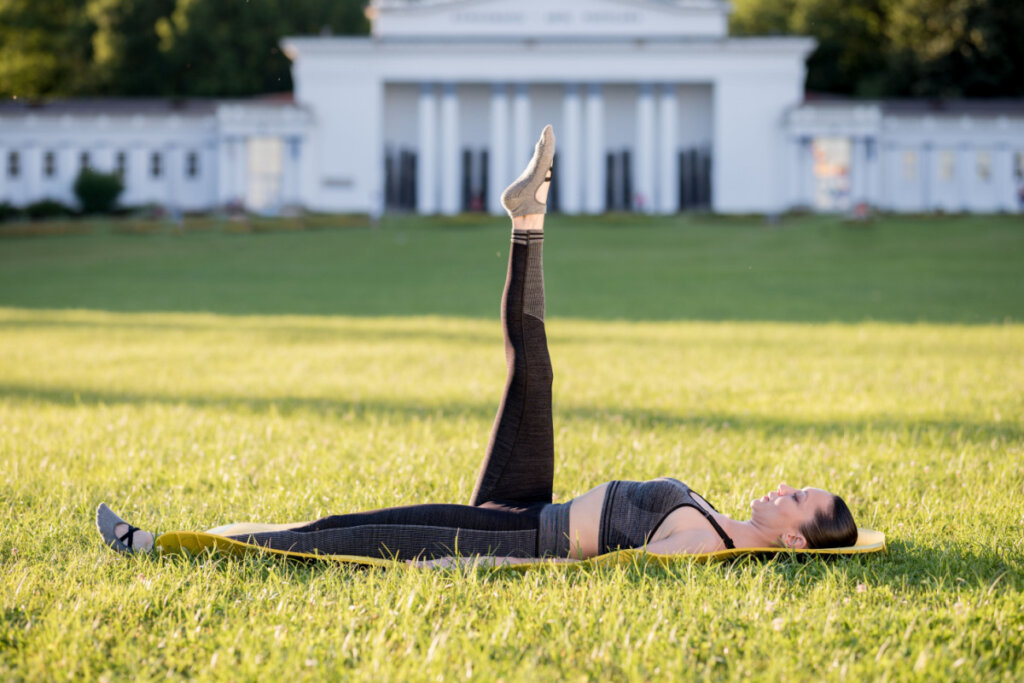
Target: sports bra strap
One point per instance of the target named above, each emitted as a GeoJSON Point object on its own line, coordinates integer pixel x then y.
{"type": "Point", "coordinates": [721, 532]}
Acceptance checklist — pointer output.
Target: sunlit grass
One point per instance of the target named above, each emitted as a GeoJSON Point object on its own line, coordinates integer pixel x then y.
{"type": "Point", "coordinates": [192, 420]}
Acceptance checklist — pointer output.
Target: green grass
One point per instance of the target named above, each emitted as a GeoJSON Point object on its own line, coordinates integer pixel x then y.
{"type": "Point", "coordinates": [911, 406]}
{"type": "Point", "coordinates": [811, 269]}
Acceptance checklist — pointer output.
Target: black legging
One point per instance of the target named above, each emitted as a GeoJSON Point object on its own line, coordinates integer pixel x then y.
{"type": "Point", "coordinates": [516, 480]}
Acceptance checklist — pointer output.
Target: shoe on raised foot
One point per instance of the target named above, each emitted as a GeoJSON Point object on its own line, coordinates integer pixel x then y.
{"type": "Point", "coordinates": [520, 198]}
{"type": "Point", "coordinates": [131, 539]}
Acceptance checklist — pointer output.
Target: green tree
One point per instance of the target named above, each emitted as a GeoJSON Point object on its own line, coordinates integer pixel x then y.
{"type": "Point", "coordinates": [45, 48]}
{"type": "Point", "coordinates": [126, 48]}
{"type": "Point", "coordinates": [880, 48]}
{"type": "Point", "coordinates": [956, 48]}
{"type": "Point", "coordinates": [231, 47]}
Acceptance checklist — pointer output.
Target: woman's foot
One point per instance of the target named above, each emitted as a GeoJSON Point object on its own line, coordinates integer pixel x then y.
{"type": "Point", "coordinates": [119, 534]}
{"type": "Point", "coordinates": [529, 193]}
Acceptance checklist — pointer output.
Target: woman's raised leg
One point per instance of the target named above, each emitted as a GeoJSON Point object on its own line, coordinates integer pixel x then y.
{"type": "Point", "coordinates": [519, 466]}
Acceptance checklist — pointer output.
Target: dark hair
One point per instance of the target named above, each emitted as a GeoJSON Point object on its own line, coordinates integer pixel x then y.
{"type": "Point", "coordinates": [835, 529]}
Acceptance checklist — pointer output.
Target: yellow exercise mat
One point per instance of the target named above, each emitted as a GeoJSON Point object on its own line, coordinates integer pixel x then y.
{"type": "Point", "coordinates": [196, 542]}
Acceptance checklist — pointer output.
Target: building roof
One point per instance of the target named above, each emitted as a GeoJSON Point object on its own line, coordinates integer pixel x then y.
{"type": "Point", "coordinates": [132, 106]}
{"type": "Point", "coordinates": [925, 106]}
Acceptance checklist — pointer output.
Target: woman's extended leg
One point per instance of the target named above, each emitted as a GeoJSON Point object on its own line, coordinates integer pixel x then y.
{"type": "Point", "coordinates": [519, 466]}
{"type": "Point", "coordinates": [415, 531]}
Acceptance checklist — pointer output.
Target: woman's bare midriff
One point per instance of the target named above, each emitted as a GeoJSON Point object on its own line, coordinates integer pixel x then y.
{"type": "Point", "coordinates": [585, 522]}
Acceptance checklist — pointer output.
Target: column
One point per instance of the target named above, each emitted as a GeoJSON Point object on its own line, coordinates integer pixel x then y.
{"type": "Point", "coordinates": [137, 177]}
{"type": "Point", "coordinates": [292, 166]}
{"type": "Point", "coordinates": [875, 170]}
{"type": "Point", "coordinates": [668, 150]}
{"type": "Point", "coordinates": [595, 157]}
{"type": "Point", "coordinates": [523, 139]}
{"type": "Point", "coordinates": [241, 170]}
{"type": "Point", "coordinates": [426, 160]}
{"type": "Point", "coordinates": [793, 171]}
{"type": "Point", "coordinates": [965, 171]}
{"type": "Point", "coordinates": [103, 159]}
{"type": "Point", "coordinates": [498, 173]}
{"type": "Point", "coordinates": [569, 152]}
{"type": "Point", "coordinates": [451, 152]}
{"type": "Point", "coordinates": [4, 184]}
{"type": "Point", "coordinates": [209, 173]}
{"type": "Point", "coordinates": [32, 171]}
{"type": "Point", "coordinates": [1003, 175]}
{"type": "Point", "coordinates": [858, 171]}
{"type": "Point", "coordinates": [645, 154]}
{"type": "Point", "coordinates": [225, 162]}
{"type": "Point", "coordinates": [805, 191]}
{"type": "Point", "coordinates": [173, 175]}
{"type": "Point", "coordinates": [925, 168]}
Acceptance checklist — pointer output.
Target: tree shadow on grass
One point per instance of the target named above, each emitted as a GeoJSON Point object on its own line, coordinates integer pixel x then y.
{"type": "Point", "coordinates": [484, 410]}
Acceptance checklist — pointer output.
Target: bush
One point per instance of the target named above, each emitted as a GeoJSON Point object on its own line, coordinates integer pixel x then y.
{"type": "Point", "coordinates": [47, 208]}
{"type": "Point", "coordinates": [97, 192]}
{"type": "Point", "coordinates": [8, 211]}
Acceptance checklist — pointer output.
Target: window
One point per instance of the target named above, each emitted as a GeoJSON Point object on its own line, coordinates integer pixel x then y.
{"type": "Point", "coordinates": [947, 166]}
{"type": "Point", "coordinates": [909, 165]}
{"type": "Point", "coordinates": [984, 166]}
{"type": "Point", "coordinates": [49, 164]}
{"type": "Point", "coordinates": [13, 165]}
{"type": "Point", "coordinates": [121, 164]}
{"type": "Point", "coordinates": [155, 165]}
{"type": "Point", "coordinates": [1018, 165]}
{"type": "Point", "coordinates": [83, 161]}
{"type": "Point", "coordinates": [192, 165]}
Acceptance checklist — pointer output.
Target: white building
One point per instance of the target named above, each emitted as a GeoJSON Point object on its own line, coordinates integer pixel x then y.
{"type": "Point", "coordinates": [656, 110]}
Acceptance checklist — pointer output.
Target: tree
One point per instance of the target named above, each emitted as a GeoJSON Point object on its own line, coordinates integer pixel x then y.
{"type": "Point", "coordinates": [126, 47]}
{"type": "Point", "coordinates": [231, 47]}
{"type": "Point", "coordinates": [158, 47]}
{"type": "Point", "coordinates": [884, 48]}
{"type": "Point", "coordinates": [44, 48]}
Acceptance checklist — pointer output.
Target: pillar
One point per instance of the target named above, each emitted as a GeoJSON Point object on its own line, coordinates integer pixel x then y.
{"type": "Point", "coordinates": [1005, 180]}
{"type": "Point", "coordinates": [451, 152]}
{"type": "Point", "coordinates": [292, 171]}
{"type": "Point", "coordinates": [595, 157]}
{"type": "Point", "coordinates": [32, 171]}
{"type": "Point", "coordinates": [805, 192]}
{"type": "Point", "coordinates": [668, 150]}
{"type": "Point", "coordinates": [570, 151]}
{"type": "Point", "coordinates": [645, 152]}
{"type": "Point", "coordinates": [426, 160]}
{"type": "Point", "coordinates": [523, 139]}
{"type": "Point", "coordinates": [858, 171]}
{"type": "Point", "coordinates": [926, 171]}
{"type": "Point", "coordinates": [965, 172]}
{"type": "Point", "coordinates": [499, 169]}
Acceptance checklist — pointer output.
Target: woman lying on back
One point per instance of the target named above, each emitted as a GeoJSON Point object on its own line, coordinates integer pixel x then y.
{"type": "Point", "coordinates": [511, 517]}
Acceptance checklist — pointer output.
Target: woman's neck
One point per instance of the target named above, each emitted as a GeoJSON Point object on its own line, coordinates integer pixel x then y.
{"type": "Point", "coordinates": [747, 534]}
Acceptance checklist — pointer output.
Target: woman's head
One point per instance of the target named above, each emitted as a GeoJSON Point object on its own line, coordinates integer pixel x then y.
{"type": "Point", "coordinates": [804, 518]}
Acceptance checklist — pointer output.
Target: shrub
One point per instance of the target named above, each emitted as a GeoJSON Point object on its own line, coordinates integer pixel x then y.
{"type": "Point", "coordinates": [97, 192]}
{"type": "Point", "coordinates": [8, 211]}
{"type": "Point", "coordinates": [47, 208]}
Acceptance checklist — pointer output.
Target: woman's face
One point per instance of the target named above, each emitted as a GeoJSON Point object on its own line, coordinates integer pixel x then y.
{"type": "Point", "coordinates": [783, 511]}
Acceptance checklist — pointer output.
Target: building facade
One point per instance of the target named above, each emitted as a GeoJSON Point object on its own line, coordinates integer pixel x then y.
{"type": "Point", "coordinates": [656, 108]}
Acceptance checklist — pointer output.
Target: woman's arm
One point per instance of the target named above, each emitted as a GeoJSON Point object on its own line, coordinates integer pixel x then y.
{"type": "Point", "coordinates": [689, 542]}
{"type": "Point", "coordinates": [479, 561]}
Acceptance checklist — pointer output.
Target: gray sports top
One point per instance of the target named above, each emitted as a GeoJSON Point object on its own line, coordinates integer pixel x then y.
{"type": "Point", "coordinates": [633, 511]}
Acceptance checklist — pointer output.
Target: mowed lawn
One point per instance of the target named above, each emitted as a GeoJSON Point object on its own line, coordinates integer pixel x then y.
{"type": "Point", "coordinates": [197, 378]}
